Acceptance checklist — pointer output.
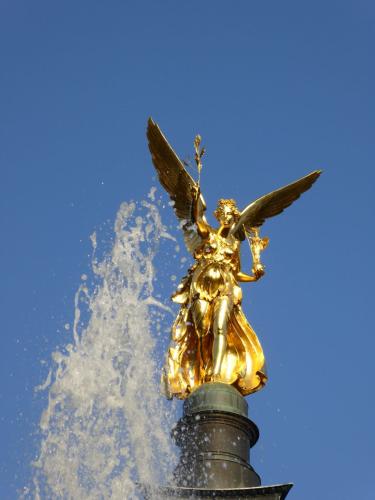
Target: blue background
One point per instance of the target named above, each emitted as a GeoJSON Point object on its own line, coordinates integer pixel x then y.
{"type": "Point", "coordinates": [276, 89]}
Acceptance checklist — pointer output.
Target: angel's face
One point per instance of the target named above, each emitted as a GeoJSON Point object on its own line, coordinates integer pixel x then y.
{"type": "Point", "coordinates": [225, 215]}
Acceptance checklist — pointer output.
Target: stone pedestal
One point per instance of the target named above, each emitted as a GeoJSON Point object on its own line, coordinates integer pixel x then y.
{"type": "Point", "coordinates": [215, 436]}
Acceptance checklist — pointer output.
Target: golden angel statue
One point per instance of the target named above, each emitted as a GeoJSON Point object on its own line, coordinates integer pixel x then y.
{"type": "Point", "coordinates": [211, 339]}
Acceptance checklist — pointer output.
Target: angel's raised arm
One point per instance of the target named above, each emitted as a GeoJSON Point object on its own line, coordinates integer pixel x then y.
{"type": "Point", "coordinates": [188, 202]}
{"type": "Point", "coordinates": [203, 227]}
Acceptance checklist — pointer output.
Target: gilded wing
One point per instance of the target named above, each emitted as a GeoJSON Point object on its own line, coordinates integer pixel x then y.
{"type": "Point", "coordinates": [272, 204]}
{"type": "Point", "coordinates": [176, 181]}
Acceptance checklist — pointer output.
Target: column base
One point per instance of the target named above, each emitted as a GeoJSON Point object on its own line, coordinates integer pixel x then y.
{"type": "Point", "coordinates": [276, 492]}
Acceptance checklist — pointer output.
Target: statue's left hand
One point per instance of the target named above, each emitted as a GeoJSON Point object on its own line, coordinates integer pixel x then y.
{"type": "Point", "coordinates": [259, 272]}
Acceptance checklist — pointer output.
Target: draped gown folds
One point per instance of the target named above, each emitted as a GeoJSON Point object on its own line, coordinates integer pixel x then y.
{"type": "Point", "coordinates": [189, 359]}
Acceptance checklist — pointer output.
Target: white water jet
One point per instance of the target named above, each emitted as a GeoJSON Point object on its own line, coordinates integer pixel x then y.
{"type": "Point", "coordinates": [106, 426]}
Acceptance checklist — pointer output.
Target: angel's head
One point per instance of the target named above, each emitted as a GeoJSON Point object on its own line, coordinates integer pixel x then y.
{"type": "Point", "coordinates": [227, 212]}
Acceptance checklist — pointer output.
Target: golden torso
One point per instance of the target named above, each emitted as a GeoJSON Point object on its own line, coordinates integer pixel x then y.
{"type": "Point", "coordinates": [217, 262]}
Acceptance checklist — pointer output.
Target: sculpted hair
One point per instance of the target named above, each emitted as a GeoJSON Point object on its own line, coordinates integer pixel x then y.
{"type": "Point", "coordinates": [227, 203]}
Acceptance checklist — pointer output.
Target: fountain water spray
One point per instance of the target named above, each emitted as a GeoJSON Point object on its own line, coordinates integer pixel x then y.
{"type": "Point", "coordinates": [106, 428]}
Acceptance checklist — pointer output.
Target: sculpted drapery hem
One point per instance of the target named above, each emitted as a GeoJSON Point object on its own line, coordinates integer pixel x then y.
{"type": "Point", "coordinates": [243, 364]}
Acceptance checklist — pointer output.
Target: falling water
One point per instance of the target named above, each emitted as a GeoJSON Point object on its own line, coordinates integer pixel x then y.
{"type": "Point", "coordinates": [106, 428]}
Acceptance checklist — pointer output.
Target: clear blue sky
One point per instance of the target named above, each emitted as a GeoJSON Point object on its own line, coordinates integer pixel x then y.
{"type": "Point", "coordinates": [276, 89]}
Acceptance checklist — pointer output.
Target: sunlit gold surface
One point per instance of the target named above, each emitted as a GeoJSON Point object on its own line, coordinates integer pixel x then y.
{"type": "Point", "coordinates": [257, 245]}
{"type": "Point", "coordinates": [211, 338]}
{"type": "Point", "coordinates": [212, 341]}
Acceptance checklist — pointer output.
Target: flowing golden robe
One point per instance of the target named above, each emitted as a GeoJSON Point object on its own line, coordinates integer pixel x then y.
{"type": "Point", "coordinates": [189, 358]}
{"type": "Point", "coordinates": [211, 339]}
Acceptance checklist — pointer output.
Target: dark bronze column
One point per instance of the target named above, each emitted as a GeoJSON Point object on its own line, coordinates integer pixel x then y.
{"type": "Point", "coordinates": [215, 436]}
